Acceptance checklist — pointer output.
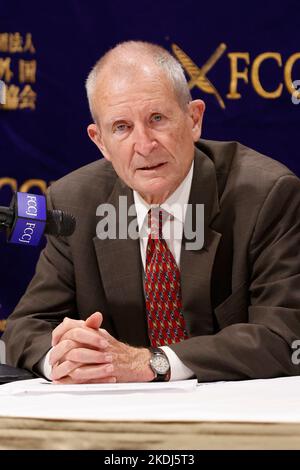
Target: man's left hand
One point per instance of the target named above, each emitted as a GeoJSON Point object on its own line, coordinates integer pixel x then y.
{"type": "Point", "coordinates": [130, 364]}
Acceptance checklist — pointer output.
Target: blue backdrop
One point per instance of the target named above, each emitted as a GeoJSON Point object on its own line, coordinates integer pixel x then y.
{"type": "Point", "coordinates": [250, 53]}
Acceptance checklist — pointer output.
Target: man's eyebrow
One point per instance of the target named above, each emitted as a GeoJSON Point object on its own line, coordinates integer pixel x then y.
{"type": "Point", "coordinates": [153, 110]}
{"type": "Point", "coordinates": [114, 119]}
{"type": "Point", "coordinates": [160, 110]}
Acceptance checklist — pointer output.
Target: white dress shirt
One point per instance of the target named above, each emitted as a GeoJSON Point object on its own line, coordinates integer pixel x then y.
{"type": "Point", "coordinates": [172, 230]}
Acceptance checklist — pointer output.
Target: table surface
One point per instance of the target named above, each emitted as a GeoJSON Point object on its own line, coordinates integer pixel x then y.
{"type": "Point", "coordinates": [24, 433]}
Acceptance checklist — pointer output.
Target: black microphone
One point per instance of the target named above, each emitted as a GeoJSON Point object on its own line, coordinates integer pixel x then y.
{"type": "Point", "coordinates": [27, 219]}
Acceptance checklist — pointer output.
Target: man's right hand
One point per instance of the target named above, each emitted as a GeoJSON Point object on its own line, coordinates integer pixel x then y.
{"type": "Point", "coordinates": [79, 352]}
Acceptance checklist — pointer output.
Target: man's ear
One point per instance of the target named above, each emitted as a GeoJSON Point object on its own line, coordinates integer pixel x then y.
{"type": "Point", "coordinates": [96, 136]}
{"type": "Point", "coordinates": [196, 111]}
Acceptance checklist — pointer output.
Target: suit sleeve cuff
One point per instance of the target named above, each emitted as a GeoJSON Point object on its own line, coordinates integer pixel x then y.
{"type": "Point", "coordinates": [178, 370]}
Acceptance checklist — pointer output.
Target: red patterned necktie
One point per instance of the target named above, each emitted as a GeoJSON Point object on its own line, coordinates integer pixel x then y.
{"type": "Point", "coordinates": [162, 288]}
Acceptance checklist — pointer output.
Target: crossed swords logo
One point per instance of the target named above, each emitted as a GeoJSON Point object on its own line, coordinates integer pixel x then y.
{"type": "Point", "coordinates": [197, 74]}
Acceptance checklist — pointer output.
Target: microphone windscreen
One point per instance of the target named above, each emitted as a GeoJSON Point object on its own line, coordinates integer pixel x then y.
{"type": "Point", "coordinates": [60, 223]}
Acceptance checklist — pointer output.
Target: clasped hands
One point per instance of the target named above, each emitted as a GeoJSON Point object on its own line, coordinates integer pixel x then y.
{"type": "Point", "coordinates": [82, 352]}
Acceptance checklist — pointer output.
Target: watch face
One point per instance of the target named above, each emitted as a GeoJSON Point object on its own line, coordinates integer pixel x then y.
{"type": "Point", "coordinates": [160, 363]}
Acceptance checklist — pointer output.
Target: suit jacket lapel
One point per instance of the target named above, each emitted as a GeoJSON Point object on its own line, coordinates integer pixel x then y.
{"type": "Point", "coordinates": [196, 264]}
{"type": "Point", "coordinates": [121, 272]}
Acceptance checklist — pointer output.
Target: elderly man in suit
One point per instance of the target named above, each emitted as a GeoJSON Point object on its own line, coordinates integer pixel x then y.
{"type": "Point", "coordinates": [120, 309]}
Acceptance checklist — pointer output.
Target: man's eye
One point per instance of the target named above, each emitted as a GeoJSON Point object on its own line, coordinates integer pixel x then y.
{"type": "Point", "coordinates": [120, 128]}
{"type": "Point", "coordinates": [157, 117]}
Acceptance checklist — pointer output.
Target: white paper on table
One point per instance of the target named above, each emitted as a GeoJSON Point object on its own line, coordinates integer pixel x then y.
{"type": "Point", "coordinates": [260, 401]}
{"type": "Point", "coordinates": [42, 386]}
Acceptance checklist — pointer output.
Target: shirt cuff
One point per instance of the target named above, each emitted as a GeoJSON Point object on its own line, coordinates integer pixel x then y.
{"type": "Point", "coordinates": [178, 370]}
{"type": "Point", "coordinates": [44, 366]}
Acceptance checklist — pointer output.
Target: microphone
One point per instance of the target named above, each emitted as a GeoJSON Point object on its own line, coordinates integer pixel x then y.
{"type": "Point", "coordinates": [27, 219]}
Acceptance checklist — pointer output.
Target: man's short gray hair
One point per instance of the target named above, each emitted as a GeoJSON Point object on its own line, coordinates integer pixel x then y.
{"type": "Point", "coordinates": [131, 53]}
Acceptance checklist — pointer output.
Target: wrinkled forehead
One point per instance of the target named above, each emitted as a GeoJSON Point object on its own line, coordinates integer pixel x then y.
{"type": "Point", "coordinates": [134, 88]}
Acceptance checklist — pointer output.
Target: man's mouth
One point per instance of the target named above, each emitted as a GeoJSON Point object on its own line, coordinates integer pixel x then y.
{"type": "Point", "coordinates": [153, 167]}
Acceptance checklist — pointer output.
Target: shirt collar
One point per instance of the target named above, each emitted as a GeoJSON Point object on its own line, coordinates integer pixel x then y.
{"type": "Point", "coordinates": [176, 204]}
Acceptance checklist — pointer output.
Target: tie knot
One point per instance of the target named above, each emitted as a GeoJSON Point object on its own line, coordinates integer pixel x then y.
{"type": "Point", "coordinates": [155, 222]}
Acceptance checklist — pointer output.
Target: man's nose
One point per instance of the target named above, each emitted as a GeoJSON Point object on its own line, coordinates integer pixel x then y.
{"type": "Point", "coordinates": [144, 142]}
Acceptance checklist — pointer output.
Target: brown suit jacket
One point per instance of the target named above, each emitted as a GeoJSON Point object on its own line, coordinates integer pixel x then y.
{"type": "Point", "coordinates": [240, 292]}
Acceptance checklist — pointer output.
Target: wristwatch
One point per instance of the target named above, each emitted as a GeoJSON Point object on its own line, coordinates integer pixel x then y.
{"type": "Point", "coordinates": [160, 365]}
